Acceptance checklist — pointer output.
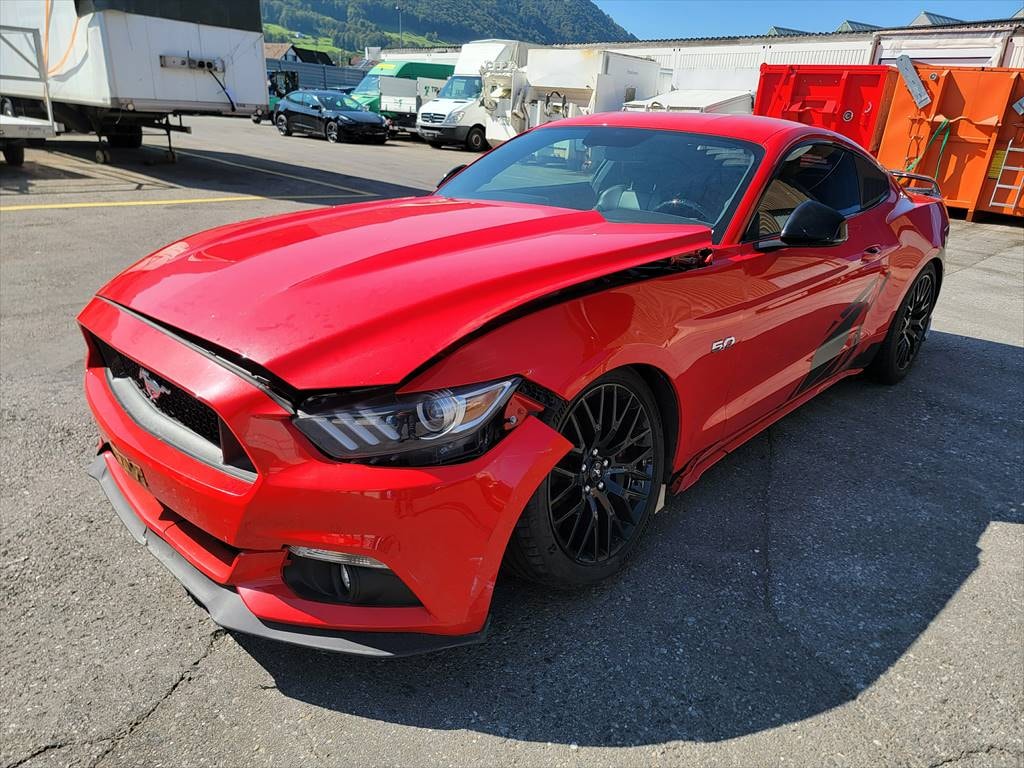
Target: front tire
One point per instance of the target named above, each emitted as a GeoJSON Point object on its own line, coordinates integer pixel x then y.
{"type": "Point", "coordinates": [476, 141]}
{"type": "Point", "coordinates": [589, 513]}
{"type": "Point", "coordinates": [284, 126]}
{"type": "Point", "coordinates": [908, 330]}
{"type": "Point", "coordinates": [331, 131]}
{"type": "Point", "coordinates": [14, 154]}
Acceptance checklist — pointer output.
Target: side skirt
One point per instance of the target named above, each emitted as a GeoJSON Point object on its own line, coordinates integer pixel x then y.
{"type": "Point", "coordinates": [691, 473]}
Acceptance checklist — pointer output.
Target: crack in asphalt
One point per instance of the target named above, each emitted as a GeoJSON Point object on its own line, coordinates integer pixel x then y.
{"type": "Point", "coordinates": [989, 749]}
{"type": "Point", "coordinates": [42, 751]}
{"type": "Point", "coordinates": [125, 731]}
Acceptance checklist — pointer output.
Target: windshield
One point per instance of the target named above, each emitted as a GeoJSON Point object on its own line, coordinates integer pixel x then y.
{"type": "Point", "coordinates": [460, 87]}
{"type": "Point", "coordinates": [627, 174]}
{"type": "Point", "coordinates": [367, 85]}
{"type": "Point", "coordinates": [339, 102]}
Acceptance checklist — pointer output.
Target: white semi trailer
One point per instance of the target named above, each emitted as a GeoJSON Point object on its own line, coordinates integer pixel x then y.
{"type": "Point", "coordinates": [562, 82]}
{"type": "Point", "coordinates": [115, 66]}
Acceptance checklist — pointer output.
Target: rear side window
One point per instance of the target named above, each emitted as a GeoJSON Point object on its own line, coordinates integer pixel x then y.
{"type": "Point", "coordinates": [819, 172]}
{"type": "Point", "coordinates": [874, 182]}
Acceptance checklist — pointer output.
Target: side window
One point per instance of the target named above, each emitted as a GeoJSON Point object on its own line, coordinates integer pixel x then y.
{"type": "Point", "coordinates": [819, 172]}
{"type": "Point", "coordinates": [874, 182]}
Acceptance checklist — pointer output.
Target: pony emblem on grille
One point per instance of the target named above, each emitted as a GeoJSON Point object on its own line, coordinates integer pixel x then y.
{"type": "Point", "coordinates": [154, 389]}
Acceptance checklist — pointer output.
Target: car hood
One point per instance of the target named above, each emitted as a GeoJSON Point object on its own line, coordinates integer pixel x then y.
{"type": "Point", "coordinates": [364, 294]}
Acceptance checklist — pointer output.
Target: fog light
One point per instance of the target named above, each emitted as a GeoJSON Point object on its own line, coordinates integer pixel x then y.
{"type": "Point", "coordinates": [328, 556]}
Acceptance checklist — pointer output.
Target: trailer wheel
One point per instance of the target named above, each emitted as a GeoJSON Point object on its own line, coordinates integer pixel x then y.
{"type": "Point", "coordinates": [475, 139]}
{"type": "Point", "coordinates": [257, 118]}
{"type": "Point", "coordinates": [14, 154]}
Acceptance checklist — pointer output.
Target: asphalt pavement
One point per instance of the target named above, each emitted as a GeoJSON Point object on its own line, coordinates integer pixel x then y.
{"type": "Point", "coordinates": [845, 589]}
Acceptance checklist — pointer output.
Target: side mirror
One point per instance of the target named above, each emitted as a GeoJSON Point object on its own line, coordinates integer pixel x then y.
{"type": "Point", "coordinates": [814, 223]}
{"type": "Point", "coordinates": [318, 108]}
{"type": "Point", "coordinates": [453, 172]}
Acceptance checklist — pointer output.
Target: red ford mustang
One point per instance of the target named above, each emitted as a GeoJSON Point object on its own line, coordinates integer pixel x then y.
{"type": "Point", "coordinates": [335, 426]}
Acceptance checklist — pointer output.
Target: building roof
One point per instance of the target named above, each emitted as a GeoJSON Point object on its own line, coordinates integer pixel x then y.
{"type": "Point", "coordinates": [856, 26]}
{"type": "Point", "coordinates": [276, 50]}
{"type": "Point", "coordinates": [774, 30]}
{"type": "Point", "coordinates": [1019, 14]}
{"type": "Point", "coordinates": [929, 19]}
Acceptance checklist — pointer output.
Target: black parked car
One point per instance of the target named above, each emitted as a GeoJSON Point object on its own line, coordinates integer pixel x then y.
{"type": "Point", "coordinates": [330, 114]}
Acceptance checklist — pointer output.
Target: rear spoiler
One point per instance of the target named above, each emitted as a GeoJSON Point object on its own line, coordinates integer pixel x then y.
{"type": "Point", "coordinates": [931, 190]}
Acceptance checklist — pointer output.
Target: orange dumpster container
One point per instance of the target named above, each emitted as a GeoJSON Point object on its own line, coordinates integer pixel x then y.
{"type": "Point", "coordinates": [969, 137]}
{"type": "Point", "coordinates": [849, 99]}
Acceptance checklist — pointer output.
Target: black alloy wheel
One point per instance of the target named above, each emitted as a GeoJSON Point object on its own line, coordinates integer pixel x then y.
{"type": "Point", "coordinates": [331, 131]}
{"type": "Point", "coordinates": [598, 493]}
{"type": "Point", "coordinates": [908, 330]}
{"type": "Point", "coordinates": [283, 125]}
{"type": "Point", "coordinates": [915, 321]}
{"type": "Point", "coordinates": [591, 510]}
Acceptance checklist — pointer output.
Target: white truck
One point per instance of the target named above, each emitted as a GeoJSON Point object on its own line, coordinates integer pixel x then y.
{"type": "Point", "coordinates": [402, 98]}
{"type": "Point", "coordinates": [115, 66]}
{"type": "Point", "coordinates": [559, 83]}
{"type": "Point", "coordinates": [457, 115]}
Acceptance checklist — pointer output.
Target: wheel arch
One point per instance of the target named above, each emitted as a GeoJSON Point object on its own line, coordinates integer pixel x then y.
{"type": "Point", "coordinates": [666, 397]}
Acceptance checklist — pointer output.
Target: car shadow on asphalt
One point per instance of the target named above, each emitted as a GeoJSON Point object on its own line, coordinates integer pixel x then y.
{"type": "Point", "coordinates": [792, 576]}
{"type": "Point", "coordinates": [226, 173]}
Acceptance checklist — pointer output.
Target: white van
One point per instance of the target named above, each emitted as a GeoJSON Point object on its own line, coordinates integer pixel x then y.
{"type": "Point", "coordinates": [457, 115]}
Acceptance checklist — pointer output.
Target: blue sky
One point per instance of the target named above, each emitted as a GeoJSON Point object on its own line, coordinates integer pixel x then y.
{"type": "Point", "coordinates": [652, 19]}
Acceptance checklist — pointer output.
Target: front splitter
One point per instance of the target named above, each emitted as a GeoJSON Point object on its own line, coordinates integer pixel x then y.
{"type": "Point", "coordinates": [227, 609]}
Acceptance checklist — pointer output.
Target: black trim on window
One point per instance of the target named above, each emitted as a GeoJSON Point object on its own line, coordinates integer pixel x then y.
{"type": "Point", "coordinates": [744, 232]}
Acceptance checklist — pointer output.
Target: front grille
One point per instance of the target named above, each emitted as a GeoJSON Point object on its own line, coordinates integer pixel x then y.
{"type": "Point", "coordinates": [172, 401]}
{"type": "Point", "coordinates": [432, 117]}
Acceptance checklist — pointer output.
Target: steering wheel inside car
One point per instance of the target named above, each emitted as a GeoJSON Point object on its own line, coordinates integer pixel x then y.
{"type": "Point", "coordinates": [677, 205]}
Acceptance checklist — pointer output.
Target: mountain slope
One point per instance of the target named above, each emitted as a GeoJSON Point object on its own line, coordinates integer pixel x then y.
{"type": "Point", "coordinates": [353, 24]}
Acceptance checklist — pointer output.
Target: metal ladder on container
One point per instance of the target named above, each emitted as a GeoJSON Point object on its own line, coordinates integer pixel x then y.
{"type": "Point", "coordinates": [999, 178]}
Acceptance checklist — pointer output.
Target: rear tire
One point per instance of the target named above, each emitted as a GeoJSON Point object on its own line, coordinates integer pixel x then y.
{"type": "Point", "coordinates": [908, 330]}
{"type": "Point", "coordinates": [257, 118]}
{"type": "Point", "coordinates": [589, 513]}
{"type": "Point", "coordinates": [14, 154]}
{"type": "Point", "coordinates": [476, 141]}
{"type": "Point", "coordinates": [284, 126]}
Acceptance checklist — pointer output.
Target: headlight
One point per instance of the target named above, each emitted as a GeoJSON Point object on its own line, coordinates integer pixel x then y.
{"type": "Point", "coordinates": [344, 118]}
{"type": "Point", "coordinates": [419, 429]}
{"type": "Point", "coordinates": [456, 117]}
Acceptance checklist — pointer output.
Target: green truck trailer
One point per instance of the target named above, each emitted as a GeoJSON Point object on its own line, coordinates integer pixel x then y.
{"type": "Point", "coordinates": [397, 89]}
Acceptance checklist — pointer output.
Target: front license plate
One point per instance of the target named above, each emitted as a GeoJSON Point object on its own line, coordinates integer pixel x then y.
{"type": "Point", "coordinates": [132, 469]}
{"type": "Point", "coordinates": [429, 134]}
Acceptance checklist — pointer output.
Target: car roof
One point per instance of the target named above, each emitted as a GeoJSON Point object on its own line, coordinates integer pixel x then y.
{"type": "Point", "coordinates": [747, 127]}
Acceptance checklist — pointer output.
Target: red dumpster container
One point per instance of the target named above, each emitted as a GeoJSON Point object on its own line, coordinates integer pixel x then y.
{"type": "Point", "coordinates": [970, 137]}
{"type": "Point", "coordinates": [852, 100]}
